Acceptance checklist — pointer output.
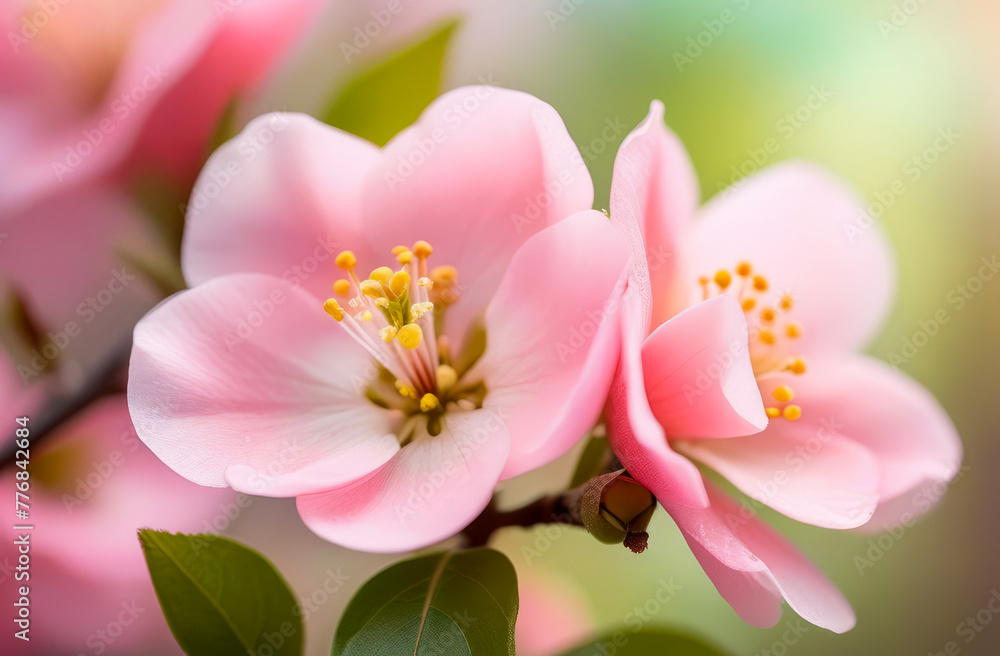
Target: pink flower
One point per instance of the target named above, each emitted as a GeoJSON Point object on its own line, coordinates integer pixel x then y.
{"type": "Point", "coordinates": [62, 258]}
{"type": "Point", "coordinates": [551, 616]}
{"type": "Point", "coordinates": [377, 419]}
{"type": "Point", "coordinates": [90, 86]}
{"type": "Point", "coordinates": [93, 485]}
{"type": "Point", "coordinates": [786, 411]}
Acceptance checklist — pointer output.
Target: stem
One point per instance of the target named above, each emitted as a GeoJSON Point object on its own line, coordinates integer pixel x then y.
{"type": "Point", "coordinates": [102, 381]}
{"type": "Point", "coordinates": [561, 508]}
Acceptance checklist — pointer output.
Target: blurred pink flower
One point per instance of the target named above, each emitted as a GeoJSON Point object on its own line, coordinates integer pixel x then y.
{"type": "Point", "coordinates": [93, 485]}
{"type": "Point", "coordinates": [99, 84]}
{"type": "Point", "coordinates": [245, 381]}
{"type": "Point", "coordinates": [846, 432]}
{"type": "Point", "coordinates": [62, 258]}
{"type": "Point", "coordinates": [551, 617]}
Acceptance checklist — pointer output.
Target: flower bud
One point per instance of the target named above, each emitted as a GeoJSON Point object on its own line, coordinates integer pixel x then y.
{"type": "Point", "coordinates": [617, 509]}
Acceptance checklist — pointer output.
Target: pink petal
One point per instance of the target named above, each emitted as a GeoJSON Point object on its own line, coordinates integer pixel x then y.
{"type": "Point", "coordinates": [806, 469]}
{"type": "Point", "coordinates": [793, 222]}
{"type": "Point", "coordinates": [281, 198]}
{"type": "Point", "coordinates": [430, 491]}
{"type": "Point", "coordinates": [753, 567]}
{"type": "Point", "coordinates": [250, 39]}
{"type": "Point", "coordinates": [553, 338]}
{"type": "Point", "coordinates": [698, 376]}
{"type": "Point", "coordinates": [635, 435]}
{"type": "Point", "coordinates": [481, 171]}
{"type": "Point", "coordinates": [654, 196]}
{"type": "Point", "coordinates": [914, 442]}
{"type": "Point", "coordinates": [245, 381]}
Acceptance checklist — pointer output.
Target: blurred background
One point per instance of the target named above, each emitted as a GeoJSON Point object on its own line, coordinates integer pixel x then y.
{"type": "Point", "coordinates": [899, 97]}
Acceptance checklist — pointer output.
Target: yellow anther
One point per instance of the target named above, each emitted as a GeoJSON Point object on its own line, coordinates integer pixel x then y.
{"type": "Point", "coordinates": [792, 412]}
{"type": "Point", "coordinates": [410, 336]}
{"type": "Point", "coordinates": [333, 308]}
{"type": "Point", "coordinates": [772, 413]}
{"type": "Point", "coordinates": [786, 302]}
{"type": "Point", "coordinates": [396, 250]}
{"type": "Point", "coordinates": [346, 260]}
{"type": "Point", "coordinates": [766, 336]}
{"type": "Point", "coordinates": [794, 330]}
{"type": "Point", "coordinates": [783, 394]}
{"type": "Point", "coordinates": [405, 257]}
{"type": "Point", "coordinates": [372, 288]}
{"type": "Point", "coordinates": [797, 366]}
{"type": "Point", "coordinates": [767, 315]}
{"type": "Point", "coordinates": [743, 269]}
{"type": "Point", "coordinates": [428, 402]}
{"type": "Point", "coordinates": [444, 275]}
{"type": "Point", "coordinates": [365, 316]}
{"type": "Point", "coordinates": [748, 304]}
{"type": "Point", "coordinates": [425, 282]}
{"type": "Point", "coordinates": [418, 310]}
{"type": "Point", "coordinates": [382, 302]}
{"type": "Point", "coordinates": [446, 377]}
{"type": "Point", "coordinates": [399, 283]}
{"type": "Point", "coordinates": [406, 390]}
{"type": "Point", "coordinates": [388, 333]}
{"type": "Point", "coordinates": [703, 280]}
{"type": "Point", "coordinates": [722, 278]}
{"type": "Point", "coordinates": [760, 283]}
{"type": "Point", "coordinates": [342, 287]}
{"type": "Point", "coordinates": [422, 249]}
{"type": "Point", "coordinates": [381, 274]}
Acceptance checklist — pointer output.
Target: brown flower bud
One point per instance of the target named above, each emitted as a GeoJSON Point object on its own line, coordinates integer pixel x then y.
{"type": "Point", "coordinates": [617, 509]}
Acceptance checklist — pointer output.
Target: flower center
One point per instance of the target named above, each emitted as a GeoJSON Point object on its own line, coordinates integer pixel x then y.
{"type": "Point", "coordinates": [772, 331]}
{"type": "Point", "coordinates": [397, 316]}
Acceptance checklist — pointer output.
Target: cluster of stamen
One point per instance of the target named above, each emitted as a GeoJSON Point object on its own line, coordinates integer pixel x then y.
{"type": "Point", "coordinates": [393, 314]}
{"type": "Point", "coordinates": [769, 327]}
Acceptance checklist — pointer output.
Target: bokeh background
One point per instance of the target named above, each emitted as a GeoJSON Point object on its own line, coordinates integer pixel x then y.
{"type": "Point", "coordinates": [871, 87]}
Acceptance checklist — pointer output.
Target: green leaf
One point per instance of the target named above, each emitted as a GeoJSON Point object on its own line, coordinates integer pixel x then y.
{"type": "Point", "coordinates": [457, 603]}
{"type": "Point", "coordinates": [220, 597]}
{"type": "Point", "coordinates": [592, 461]}
{"type": "Point", "coordinates": [390, 96]}
{"type": "Point", "coordinates": [651, 641]}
